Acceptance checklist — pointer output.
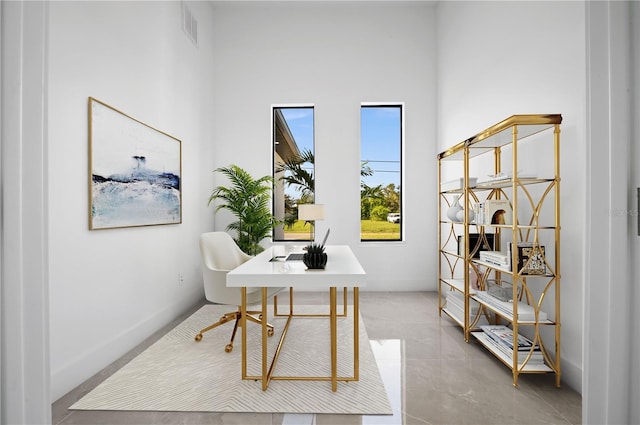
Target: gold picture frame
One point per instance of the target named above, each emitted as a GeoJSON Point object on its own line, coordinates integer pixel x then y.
{"type": "Point", "coordinates": [135, 171]}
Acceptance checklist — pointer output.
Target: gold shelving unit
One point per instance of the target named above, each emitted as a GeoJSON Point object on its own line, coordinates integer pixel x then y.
{"type": "Point", "coordinates": [533, 195]}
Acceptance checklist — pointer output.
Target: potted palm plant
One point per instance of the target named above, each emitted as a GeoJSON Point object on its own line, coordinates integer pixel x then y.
{"type": "Point", "coordinates": [315, 257]}
{"type": "Point", "coordinates": [248, 200]}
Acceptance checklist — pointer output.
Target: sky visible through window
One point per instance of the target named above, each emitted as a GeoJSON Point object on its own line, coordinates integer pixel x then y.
{"type": "Point", "coordinates": [380, 140]}
{"type": "Point", "coordinates": [380, 129]}
{"type": "Point", "coordinates": [300, 122]}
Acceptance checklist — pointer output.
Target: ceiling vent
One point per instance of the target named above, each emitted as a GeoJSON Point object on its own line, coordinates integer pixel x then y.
{"type": "Point", "coordinates": [189, 24]}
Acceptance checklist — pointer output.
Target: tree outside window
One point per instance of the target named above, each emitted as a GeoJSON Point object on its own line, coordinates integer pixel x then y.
{"type": "Point", "coordinates": [380, 184]}
{"type": "Point", "coordinates": [293, 169]}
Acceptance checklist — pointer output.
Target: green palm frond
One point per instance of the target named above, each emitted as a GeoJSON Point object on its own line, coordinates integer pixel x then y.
{"type": "Point", "coordinates": [248, 199]}
{"type": "Point", "coordinates": [296, 175]}
{"type": "Point", "coordinates": [374, 192]}
{"type": "Point", "coordinates": [303, 180]}
{"type": "Point", "coordinates": [365, 169]}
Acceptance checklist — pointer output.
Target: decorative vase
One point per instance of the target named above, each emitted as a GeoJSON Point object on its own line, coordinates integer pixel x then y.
{"type": "Point", "coordinates": [452, 211]}
{"type": "Point", "coordinates": [315, 260]}
{"type": "Point", "coordinates": [460, 215]}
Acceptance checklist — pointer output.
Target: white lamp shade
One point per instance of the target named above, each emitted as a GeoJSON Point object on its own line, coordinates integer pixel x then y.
{"type": "Point", "coordinates": [310, 212]}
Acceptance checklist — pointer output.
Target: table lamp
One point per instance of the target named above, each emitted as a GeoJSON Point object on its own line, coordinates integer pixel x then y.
{"type": "Point", "coordinates": [311, 213]}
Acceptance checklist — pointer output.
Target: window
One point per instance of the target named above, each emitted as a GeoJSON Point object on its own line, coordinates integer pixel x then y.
{"type": "Point", "coordinates": [293, 169]}
{"type": "Point", "coordinates": [381, 172]}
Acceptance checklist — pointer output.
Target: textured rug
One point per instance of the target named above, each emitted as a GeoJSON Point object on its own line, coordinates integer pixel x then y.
{"type": "Point", "coordinates": [178, 374]}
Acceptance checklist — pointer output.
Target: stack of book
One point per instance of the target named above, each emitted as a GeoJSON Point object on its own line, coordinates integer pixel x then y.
{"type": "Point", "coordinates": [526, 313]}
{"type": "Point", "coordinates": [455, 306]}
{"type": "Point", "coordinates": [496, 258]}
{"type": "Point", "coordinates": [501, 337]}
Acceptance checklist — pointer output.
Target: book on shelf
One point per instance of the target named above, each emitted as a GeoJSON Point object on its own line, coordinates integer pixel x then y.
{"type": "Point", "coordinates": [504, 336]}
{"type": "Point", "coordinates": [457, 299]}
{"type": "Point", "coordinates": [497, 211]}
{"type": "Point", "coordinates": [496, 258]}
{"type": "Point", "coordinates": [526, 312]}
{"type": "Point", "coordinates": [478, 212]}
{"type": "Point", "coordinates": [492, 178]}
{"type": "Point", "coordinates": [531, 258]}
{"type": "Point", "coordinates": [536, 357]}
{"type": "Point", "coordinates": [501, 177]}
{"type": "Point", "coordinates": [455, 307]}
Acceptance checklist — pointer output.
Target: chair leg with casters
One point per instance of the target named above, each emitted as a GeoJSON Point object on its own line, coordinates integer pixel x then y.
{"type": "Point", "coordinates": [229, 347]}
{"type": "Point", "coordinates": [251, 316]}
{"type": "Point", "coordinates": [224, 319]}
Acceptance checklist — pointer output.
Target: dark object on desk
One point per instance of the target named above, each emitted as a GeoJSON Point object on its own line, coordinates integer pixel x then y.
{"type": "Point", "coordinates": [315, 260]}
{"type": "Point", "coordinates": [295, 256]}
{"type": "Point", "coordinates": [315, 257]}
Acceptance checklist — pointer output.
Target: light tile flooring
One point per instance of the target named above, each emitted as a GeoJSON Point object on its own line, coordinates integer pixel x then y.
{"type": "Point", "coordinates": [431, 375]}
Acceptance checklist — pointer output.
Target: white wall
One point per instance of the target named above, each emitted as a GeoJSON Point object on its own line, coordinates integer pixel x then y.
{"type": "Point", "coordinates": [496, 59]}
{"type": "Point", "coordinates": [25, 395]}
{"type": "Point", "coordinates": [609, 374]}
{"type": "Point", "coordinates": [110, 289]}
{"type": "Point", "coordinates": [335, 56]}
{"type": "Point", "coordinates": [634, 393]}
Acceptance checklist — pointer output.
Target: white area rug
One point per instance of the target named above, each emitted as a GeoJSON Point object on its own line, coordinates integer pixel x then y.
{"type": "Point", "coordinates": [178, 374]}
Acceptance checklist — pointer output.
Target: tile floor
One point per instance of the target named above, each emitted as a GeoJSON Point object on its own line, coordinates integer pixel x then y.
{"type": "Point", "coordinates": [432, 377]}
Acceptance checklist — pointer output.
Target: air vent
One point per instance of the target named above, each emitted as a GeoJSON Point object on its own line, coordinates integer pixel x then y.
{"type": "Point", "coordinates": [189, 24]}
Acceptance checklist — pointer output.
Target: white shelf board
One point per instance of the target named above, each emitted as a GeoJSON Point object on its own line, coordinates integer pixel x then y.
{"type": "Point", "coordinates": [458, 284]}
{"type": "Point", "coordinates": [507, 316]}
{"type": "Point", "coordinates": [504, 183]}
{"type": "Point", "coordinates": [453, 317]}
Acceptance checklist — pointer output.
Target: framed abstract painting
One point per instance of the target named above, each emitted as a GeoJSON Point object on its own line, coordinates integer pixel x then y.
{"type": "Point", "coordinates": [134, 171]}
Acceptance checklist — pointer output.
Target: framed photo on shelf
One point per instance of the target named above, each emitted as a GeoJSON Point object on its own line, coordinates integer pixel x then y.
{"type": "Point", "coordinates": [531, 259]}
{"type": "Point", "coordinates": [474, 240]}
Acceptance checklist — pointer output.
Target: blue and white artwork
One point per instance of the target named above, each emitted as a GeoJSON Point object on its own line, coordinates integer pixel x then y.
{"type": "Point", "coordinates": [135, 171]}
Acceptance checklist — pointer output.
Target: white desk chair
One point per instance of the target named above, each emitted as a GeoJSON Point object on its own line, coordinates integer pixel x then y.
{"type": "Point", "coordinates": [220, 254]}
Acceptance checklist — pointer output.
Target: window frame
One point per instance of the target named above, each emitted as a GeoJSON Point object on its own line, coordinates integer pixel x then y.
{"type": "Point", "coordinates": [277, 183]}
{"type": "Point", "coordinates": [401, 107]}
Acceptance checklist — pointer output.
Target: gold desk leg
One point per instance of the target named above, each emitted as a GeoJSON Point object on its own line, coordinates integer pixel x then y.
{"type": "Point", "coordinates": [291, 301]}
{"type": "Point", "coordinates": [243, 324]}
{"type": "Point", "coordinates": [265, 382]}
{"type": "Point", "coordinates": [356, 334]}
{"type": "Point", "coordinates": [334, 342]}
{"type": "Point", "coordinates": [275, 304]}
{"type": "Point", "coordinates": [344, 302]}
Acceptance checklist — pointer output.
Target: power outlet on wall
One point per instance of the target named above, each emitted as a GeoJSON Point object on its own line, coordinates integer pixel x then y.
{"type": "Point", "coordinates": [180, 279]}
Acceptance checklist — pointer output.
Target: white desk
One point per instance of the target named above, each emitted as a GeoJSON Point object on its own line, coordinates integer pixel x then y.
{"type": "Point", "coordinates": [342, 270]}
